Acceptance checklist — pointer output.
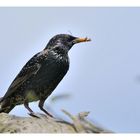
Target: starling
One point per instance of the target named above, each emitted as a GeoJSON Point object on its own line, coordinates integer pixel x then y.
{"type": "Point", "coordinates": [40, 75]}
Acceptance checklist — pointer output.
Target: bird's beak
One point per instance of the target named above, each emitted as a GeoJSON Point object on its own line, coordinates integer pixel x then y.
{"type": "Point", "coordinates": [78, 40]}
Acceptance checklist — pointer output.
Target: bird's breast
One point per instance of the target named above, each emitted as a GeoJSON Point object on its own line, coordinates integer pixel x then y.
{"type": "Point", "coordinates": [51, 72]}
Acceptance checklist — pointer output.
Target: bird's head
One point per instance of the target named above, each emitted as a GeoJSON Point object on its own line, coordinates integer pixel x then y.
{"type": "Point", "coordinates": [65, 40]}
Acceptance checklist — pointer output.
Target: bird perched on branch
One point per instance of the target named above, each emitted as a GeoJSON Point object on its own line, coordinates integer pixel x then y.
{"type": "Point", "coordinates": [40, 75]}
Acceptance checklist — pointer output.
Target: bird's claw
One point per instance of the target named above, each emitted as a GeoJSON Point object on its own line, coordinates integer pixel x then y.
{"type": "Point", "coordinates": [33, 115]}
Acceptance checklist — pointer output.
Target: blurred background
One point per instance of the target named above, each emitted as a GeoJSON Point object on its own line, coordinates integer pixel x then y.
{"type": "Point", "coordinates": [104, 74]}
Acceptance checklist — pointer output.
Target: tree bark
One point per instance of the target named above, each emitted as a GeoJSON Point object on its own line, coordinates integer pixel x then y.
{"type": "Point", "coordinates": [46, 124]}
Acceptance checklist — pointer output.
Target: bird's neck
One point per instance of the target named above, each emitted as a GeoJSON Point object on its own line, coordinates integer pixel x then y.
{"type": "Point", "coordinates": [61, 54]}
{"type": "Point", "coordinates": [60, 51]}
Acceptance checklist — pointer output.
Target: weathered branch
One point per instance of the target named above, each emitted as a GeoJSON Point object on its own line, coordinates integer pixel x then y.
{"type": "Point", "coordinates": [46, 124]}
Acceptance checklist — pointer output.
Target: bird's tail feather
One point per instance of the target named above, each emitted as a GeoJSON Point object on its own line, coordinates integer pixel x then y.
{"type": "Point", "coordinates": [0, 102]}
{"type": "Point", "coordinates": [5, 106]}
{"type": "Point", "coordinates": [6, 110]}
{"type": "Point", "coordinates": [1, 99]}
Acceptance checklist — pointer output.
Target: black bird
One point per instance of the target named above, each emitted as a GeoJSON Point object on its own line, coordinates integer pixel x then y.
{"type": "Point", "coordinates": [40, 75]}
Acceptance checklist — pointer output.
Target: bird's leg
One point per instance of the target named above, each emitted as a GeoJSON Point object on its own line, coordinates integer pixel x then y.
{"type": "Point", "coordinates": [26, 104]}
{"type": "Point", "coordinates": [41, 103]}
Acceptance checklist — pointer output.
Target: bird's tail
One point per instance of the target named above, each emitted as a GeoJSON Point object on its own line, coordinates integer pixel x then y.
{"type": "Point", "coordinates": [1, 99]}
{"type": "Point", "coordinates": [5, 105]}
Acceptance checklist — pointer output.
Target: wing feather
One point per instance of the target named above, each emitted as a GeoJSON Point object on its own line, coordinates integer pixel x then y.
{"type": "Point", "coordinates": [30, 69]}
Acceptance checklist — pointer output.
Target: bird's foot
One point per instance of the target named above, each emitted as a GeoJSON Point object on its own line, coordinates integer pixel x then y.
{"type": "Point", "coordinates": [48, 115]}
{"type": "Point", "coordinates": [33, 115]}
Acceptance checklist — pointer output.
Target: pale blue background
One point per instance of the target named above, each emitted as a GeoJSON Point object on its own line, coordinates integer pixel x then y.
{"type": "Point", "coordinates": [104, 75]}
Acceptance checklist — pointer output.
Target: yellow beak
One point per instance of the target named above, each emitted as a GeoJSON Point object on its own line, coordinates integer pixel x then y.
{"type": "Point", "coordinates": [78, 40]}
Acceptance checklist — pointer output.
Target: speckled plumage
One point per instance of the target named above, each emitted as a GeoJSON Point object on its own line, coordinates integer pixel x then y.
{"type": "Point", "coordinates": [40, 75]}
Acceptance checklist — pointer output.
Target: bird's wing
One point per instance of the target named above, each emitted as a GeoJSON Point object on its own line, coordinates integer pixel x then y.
{"type": "Point", "coordinates": [30, 69]}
